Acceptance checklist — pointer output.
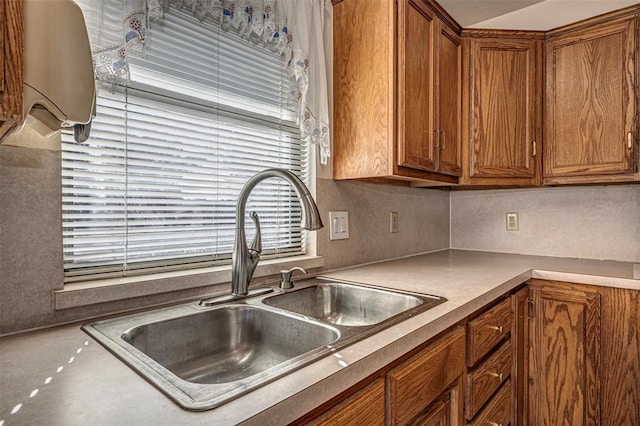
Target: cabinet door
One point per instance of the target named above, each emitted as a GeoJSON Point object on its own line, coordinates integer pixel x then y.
{"type": "Point", "coordinates": [416, 147]}
{"type": "Point", "coordinates": [590, 123]}
{"type": "Point", "coordinates": [364, 408]}
{"type": "Point", "coordinates": [504, 109]}
{"type": "Point", "coordinates": [11, 73]}
{"type": "Point", "coordinates": [449, 100]}
{"type": "Point", "coordinates": [414, 385]}
{"type": "Point", "coordinates": [564, 357]}
{"type": "Point", "coordinates": [447, 411]}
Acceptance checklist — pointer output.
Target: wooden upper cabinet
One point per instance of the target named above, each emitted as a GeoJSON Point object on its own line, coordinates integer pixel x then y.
{"type": "Point", "coordinates": [504, 113]}
{"type": "Point", "coordinates": [429, 91]}
{"type": "Point", "coordinates": [397, 88]}
{"type": "Point", "coordinates": [591, 127]}
{"type": "Point", "coordinates": [416, 138]}
{"type": "Point", "coordinates": [449, 100]}
{"type": "Point", "coordinates": [11, 72]}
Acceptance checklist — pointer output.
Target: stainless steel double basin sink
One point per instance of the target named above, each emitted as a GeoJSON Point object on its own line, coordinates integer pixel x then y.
{"type": "Point", "coordinates": [204, 356]}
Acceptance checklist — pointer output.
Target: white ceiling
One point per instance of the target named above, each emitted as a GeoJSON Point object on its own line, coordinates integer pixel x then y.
{"type": "Point", "coordinates": [540, 15]}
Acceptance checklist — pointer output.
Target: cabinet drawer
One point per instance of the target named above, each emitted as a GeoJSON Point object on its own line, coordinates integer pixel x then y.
{"type": "Point", "coordinates": [417, 382]}
{"type": "Point", "coordinates": [498, 411]}
{"type": "Point", "coordinates": [487, 331]}
{"type": "Point", "coordinates": [482, 382]}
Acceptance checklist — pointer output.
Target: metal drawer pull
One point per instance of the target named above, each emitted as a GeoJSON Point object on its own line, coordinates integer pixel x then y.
{"type": "Point", "coordinates": [495, 424]}
{"type": "Point", "coordinates": [444, 141]}
{"type": "Point", "coordinates": [498, 330]}
{"type": "Point", "coordinates": [534, 148]}
{"type": "Point", "coordinates": [498, 375]}
{"type": "Point", "coordinates": [629, 140]}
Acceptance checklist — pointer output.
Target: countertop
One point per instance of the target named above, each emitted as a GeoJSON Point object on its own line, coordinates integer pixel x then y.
{"type": "Point", "coordinates": [61, 376]}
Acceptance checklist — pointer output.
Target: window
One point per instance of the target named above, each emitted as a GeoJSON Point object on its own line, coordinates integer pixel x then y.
{"type": "Point", "coordinates": [155, 186]}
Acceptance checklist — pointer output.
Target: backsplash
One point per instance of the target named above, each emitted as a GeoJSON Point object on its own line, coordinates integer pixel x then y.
{"type": "Point", "coordinates": [595, 222]}
{"type": "Point", "coordinates": [582, 222]}
{"type": "Point", "coordinates": [423, 221]}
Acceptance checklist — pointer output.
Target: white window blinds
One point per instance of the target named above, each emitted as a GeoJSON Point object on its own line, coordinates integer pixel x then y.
{"type": "Point", "coordinates": [155, 186]}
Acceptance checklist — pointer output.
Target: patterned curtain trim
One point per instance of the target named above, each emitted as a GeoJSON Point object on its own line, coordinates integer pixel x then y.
{"type": "Point", "coordinates": [262, 22]}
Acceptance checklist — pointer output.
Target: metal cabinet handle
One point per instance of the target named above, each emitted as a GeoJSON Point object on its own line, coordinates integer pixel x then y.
{"type": "Point", "coordinates": [498, 330]}
{"type": "Point", "coordinates": [497, 375]}
{"type": "Point", "coordinates": [444, 141]}
{"type": "Point", "coordinates": [495, 424]}
{"type": "Point", "coordinates": [629, 140]}
{"type": "Point", "coordinates": [534, 148]}
{"type": "Point", "coordinates": [436, 137]}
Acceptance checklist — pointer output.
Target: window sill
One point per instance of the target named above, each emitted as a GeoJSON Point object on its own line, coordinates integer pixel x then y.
{"type": "Point", "coordinates": [110, 290]}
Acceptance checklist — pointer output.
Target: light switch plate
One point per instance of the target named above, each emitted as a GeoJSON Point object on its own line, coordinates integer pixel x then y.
{"type": "Point", "coordinates": [338, 225]}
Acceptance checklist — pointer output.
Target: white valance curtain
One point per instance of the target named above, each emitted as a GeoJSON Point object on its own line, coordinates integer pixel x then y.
{"type": "Point", "coordinates": [295, 29]}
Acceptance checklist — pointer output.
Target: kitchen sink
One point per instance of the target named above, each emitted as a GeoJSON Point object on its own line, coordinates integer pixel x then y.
{"type": "Point", "coordinates": [347, 304]}
{"type": "Point", "coordinates": [227, 344]}
{"type": "Point", "coordinates": [202, 356]}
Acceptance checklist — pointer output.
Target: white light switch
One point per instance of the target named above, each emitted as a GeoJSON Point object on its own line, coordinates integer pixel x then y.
{"type": "Point", "coordinates": [339, 225]}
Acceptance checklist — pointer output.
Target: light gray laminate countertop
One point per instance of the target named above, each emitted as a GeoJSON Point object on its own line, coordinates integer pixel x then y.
{"type": "Point", "coordinates": [61, 376]}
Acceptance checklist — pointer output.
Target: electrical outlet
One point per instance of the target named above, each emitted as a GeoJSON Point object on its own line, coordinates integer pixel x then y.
{"type": "Point", "coordinates": [393, 222]}
{"type": "Point", "coordinates": [512, 221]}
{"type": "Point", "coordinates": [338, 225]}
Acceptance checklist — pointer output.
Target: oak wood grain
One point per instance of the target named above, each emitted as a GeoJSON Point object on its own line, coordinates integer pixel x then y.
{"type": "Point", "coordinates": [367, 407]}
{"type": "Point", "coordinates": [498, 410]}
{"type": "Point", "coordinates": [619, 351]}
{"type": "Point", "coordinates": [447, 411]}
{"type": "Point", "coordinates": [363, 89]}
{"type": "Point", "coordinates": [416, 132]}
{"type": "Point", "coordinates": [591, 101]}
{"type": "Point", "coordinates": [487, 330]}
{"type": "Point", "coordinates": [11, 55]}
{"type": "Point", "coordinates": [520, 357]}
{"type": "Point", "coordinates": [486, 378]}
{"type": "Point", "coordinates": [502, 114]}
{"type": "Point", "coordinates": [416, 383]}
{"type": "Point", "coordinates": [383, 107]}
{"type": "Point", "coordinates": [449, 100]}
{"type": "Point", "coordinates": [503, 108]}
{"type": "Point", "coordinates": [565, 357]}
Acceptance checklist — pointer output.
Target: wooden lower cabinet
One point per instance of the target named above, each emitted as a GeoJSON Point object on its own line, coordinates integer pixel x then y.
{"type": "Point", "coordinates": [427, 377]}
{"type": "Point", "coordinates": [366, 407]}
{"type": "Point", "coordinates": [570, 355]}
{"type": "Point", "coordinates": [584, 361]}
{"type": "Point", "coordinates": [565, 356]}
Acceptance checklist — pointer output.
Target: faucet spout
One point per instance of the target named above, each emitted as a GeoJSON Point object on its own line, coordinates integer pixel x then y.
{"type": "Point", "coordinates": [245, 259]}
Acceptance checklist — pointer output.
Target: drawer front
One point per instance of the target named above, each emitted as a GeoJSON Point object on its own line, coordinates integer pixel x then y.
{"type": "Point", "coordinates": [483, 381]}
{"type": "Point", "coordinates": [498, 411]}
{"type": "Point", "coordinates": [486, 331]}
{"type": "Point", "coordinates": [417, 382]}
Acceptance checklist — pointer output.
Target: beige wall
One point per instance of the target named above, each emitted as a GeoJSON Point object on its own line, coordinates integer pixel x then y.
{"type": "Point", "coordinates": [594, 222]}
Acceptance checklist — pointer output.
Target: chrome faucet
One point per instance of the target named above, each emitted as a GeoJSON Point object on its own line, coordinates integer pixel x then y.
{"type": "Point", "coordinates": [245, 258]}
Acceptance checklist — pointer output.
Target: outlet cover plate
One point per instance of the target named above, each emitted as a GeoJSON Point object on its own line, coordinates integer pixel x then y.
{"type": "Point", "coordinates": [512, 221]}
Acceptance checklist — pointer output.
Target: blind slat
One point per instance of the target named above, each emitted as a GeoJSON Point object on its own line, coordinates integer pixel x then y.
{"type": "Point", "coordinates": [155, 186]}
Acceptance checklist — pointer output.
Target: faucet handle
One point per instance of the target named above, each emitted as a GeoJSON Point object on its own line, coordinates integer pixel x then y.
{"type": "Point", "coordinates": [256, 244]}
{"type": "Point", "coordinates": [285, 277]}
